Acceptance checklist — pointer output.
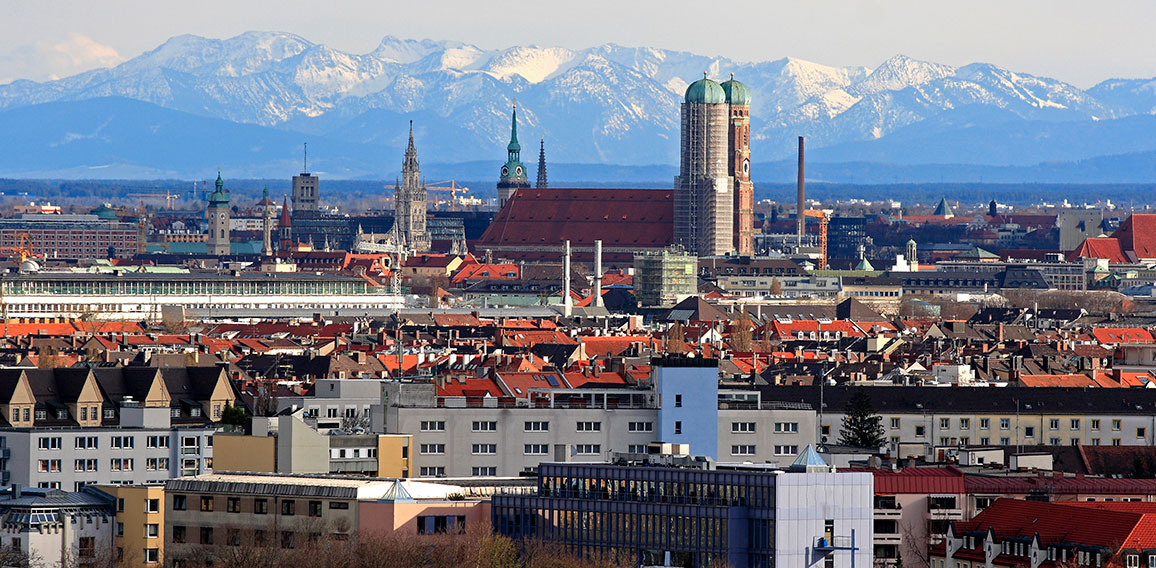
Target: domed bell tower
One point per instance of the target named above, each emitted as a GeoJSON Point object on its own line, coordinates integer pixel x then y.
{"type": "Point", "coordinates": [739, 165]}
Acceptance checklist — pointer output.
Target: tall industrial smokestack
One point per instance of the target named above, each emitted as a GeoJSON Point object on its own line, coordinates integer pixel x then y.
{"type": "Point", "coordinates": [567, 303]}
{"type": "Point", "coordinates": [801, 220]}
{"type": "Point", "coordinates": [597, 274]}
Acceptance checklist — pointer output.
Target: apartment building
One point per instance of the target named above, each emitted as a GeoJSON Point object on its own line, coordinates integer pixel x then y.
{"type": "Point", "coordinates": [207, 515]}
{"type": "Point", "coordinates": [57, 528]}
{"type": "Point", "coordinates": [139, 531]}
{"type": "Point", "coordinates": [144, 448]}
{"type": "Point", "coordinates": [930, 421]}
{"type": "Point", "coordinates": [680, 513]}
{"type": "Point", "coordinates": [67, 428]}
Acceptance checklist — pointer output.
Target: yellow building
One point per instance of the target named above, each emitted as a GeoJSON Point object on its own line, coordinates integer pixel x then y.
{"type": "Point", "coordinates": [140, 523]}
{"type": "Point", "coordinates": [295, 447]}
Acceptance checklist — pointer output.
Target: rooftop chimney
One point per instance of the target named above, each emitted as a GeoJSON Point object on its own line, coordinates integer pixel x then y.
{"type": "Point", "coordinates": [597, 274]}
{"type": "Point", "coordinates": [801, 220]}
{"type": "Point", "coordinates": [567, 303]}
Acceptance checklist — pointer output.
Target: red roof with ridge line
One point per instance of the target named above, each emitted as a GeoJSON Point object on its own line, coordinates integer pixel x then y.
{"type": "Point", "coordinates": [619, 217]}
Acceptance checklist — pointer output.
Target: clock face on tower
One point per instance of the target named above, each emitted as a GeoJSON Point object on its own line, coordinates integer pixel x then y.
{"type": "Point", "coordinates": [505, 171]}
{"type": "Point", "coordinates": [746, 167]}
{"type": "Point", "coordinates": [518, 171]}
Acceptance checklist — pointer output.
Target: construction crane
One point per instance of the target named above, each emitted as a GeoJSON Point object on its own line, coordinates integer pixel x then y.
{"type": "Point", "coordinates": [168, 196]}
{"type": "Point", "coordinates": [822, 217]}
{"type": "Point", "coordinates": [454, 189]}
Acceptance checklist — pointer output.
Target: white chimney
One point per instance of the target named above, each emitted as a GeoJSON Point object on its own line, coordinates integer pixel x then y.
{"type": "Point", "coordinates": [597, 274]}
{"type": "Point", "coordinates": [567, 303]}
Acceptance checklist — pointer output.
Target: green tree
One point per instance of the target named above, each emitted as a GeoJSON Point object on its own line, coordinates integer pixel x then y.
{"type": "Point", "coordinates": [862, 427]}
{"type": "Point", "coordinates": [234, 416]}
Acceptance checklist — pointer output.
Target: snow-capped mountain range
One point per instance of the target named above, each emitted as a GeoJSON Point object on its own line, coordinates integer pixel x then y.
{"type": "Point", "coordinates": [606, 104]}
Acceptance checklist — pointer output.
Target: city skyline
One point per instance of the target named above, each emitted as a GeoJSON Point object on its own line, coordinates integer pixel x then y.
{"type": "Point", "coordinates": [1081, 43]}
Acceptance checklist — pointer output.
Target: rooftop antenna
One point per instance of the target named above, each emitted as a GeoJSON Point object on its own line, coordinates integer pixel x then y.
{"type": "Point", "coordinates": [305, 159]}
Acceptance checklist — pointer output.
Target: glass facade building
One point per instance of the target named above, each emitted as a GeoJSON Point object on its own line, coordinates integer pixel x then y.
{"type": "Point", "coordinates": [678, 516]}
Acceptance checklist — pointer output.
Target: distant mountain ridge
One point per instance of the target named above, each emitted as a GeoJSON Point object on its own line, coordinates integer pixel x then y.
{"type": "Point", "coordinates": [601, 105]}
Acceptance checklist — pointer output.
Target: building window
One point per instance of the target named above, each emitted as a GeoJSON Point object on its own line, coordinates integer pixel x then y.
{"type": "Point", "coordinates": [785, 427]}
{"type": "Point", "coordinates": [179, 534]}
{"type": "Point", "coordinates": [964, 423]}
{"type": "Point", "coordinates": [984, 423]}
{"type": "Point", "coordinates": [678, 401]}
{"type": "Point", "coordinates": [152, 530]}
{"type": "Point", "coordinates": [432, 471]}
{"type": "Point", "coordinates": [485, 426]}
{"type": "Point", "coordinates": [288, 539]}
{"type": "Point", "coordinates": [587, 449]}
{"type": "Point", "coordinates": [678, 426]}
{"type": "Point", "coordinates": [260, 507]}
{"type": "Point", "coordinates": [894, 423]}
{"type": "Point", "coordinates": [786, 450]}
{"type": "Point", "coordinates": [487, 471]}
{"type": "Point", "coordinates": [152, 555]}
{"type": "Point", "coordinates": [1095, 424]}
{"type": "Point", "coordinates": [920, 431]}
{"type": "Point", "coordinates": [180, 503]}
{"type": "Point", "coordinates": [589, 427]}
{"type": "Point", "coordinates": [233, 537]}
{"type": "Point", "coordinates": [743, 450]}
{"type": "Point", "coordinates": [432, 449]}
{"type": "Point", "coordinates": [1005, 423]}
{"type": "Point", "coordinates": [537, 426]}
{"type": "Point", "coordinates": [536, 449]}
{"type": "Point", "coordinates": [640, 427]}
{"type": "Point", "coordinates": [433, 426]}
{"type": "Point", "coordinates": [1029, 431]}
{"type": "Point", "coordinates": [485, 449]}
{"type": "Point", "coordinates": [944, 423]}
{"type": "Point", "coordinates": [315, 508]}
{"type": "Point", "coordinates": [206, 535]}
{"type": "Point", "coordinates": [1075, 424]}
{"type": "Point", "coordinates": [1116, 425]}
{"type": "Point", "coordinates": [288, 507]}
{"type": "Point", "coordinates": [152, 505]}
{"type": "Point", "coordinates": [206, 503]}
{"type": "Point", "coordinates": [1054, 424]}
{"type": "Point", "coordinates": [233, 504]}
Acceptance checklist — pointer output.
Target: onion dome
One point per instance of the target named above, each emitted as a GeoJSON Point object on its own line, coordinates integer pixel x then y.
{"type": "Point", "coordinates": [705, 91]}
{"type": "Point", "coordinates": [736, 93]}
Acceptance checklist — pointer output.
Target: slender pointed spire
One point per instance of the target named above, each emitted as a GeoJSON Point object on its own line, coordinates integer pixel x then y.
{"type": "Point", "coordinates": [514, 146]}
{"type": "Point", "coordinates": [542, 165]}
{"type": "Point", "coordinates": [411, 147]}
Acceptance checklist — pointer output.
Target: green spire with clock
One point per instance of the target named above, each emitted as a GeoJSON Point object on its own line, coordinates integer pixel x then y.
{"type": "Point", "coordinates": [513, 172]}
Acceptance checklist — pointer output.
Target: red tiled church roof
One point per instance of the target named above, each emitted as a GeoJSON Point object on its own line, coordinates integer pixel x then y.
{"type": "Point", "coordinates": [1099, 247]}
{"type": "Point", "coordinates": [1137, 235]}
{"type": "Point", "coordinates": [620, 218]}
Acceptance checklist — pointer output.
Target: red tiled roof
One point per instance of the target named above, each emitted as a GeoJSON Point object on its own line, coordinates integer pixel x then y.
{"type": "Point", "coordinates": [1099, 247]}
{"type": "Point", "coordinates": [487, 272]}
{"type": "Point", "coordinates": [1137, 235]}
{"type": "Point", "coordinates": [472, 387]}
{"type": "Point", "coordinates": [519, 384]}
{"type": "Point", "coordinates": [635, 218]}
{"type": "Point", "coordinates": [1064, 485]}
{"type": "Point", "coordinates": [920, 480]}
{"type": "Point", "coordinates": [1056, 522]}
{"type": "Point", "coordinates": [1122, 335]}
{"type": "Point", "coordinates": [1072, 380]}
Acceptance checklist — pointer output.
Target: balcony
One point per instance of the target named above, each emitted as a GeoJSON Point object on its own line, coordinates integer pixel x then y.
{"type": "Point", "coordinates": [822, 544]}
{"type": "Point", "coordinates": [190, 451]}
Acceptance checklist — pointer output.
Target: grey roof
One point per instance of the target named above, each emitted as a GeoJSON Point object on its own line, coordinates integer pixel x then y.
{"type": "Point", "coordinates": [259, 488]}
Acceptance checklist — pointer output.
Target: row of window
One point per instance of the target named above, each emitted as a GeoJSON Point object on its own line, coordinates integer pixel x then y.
{"type": "Point", "coordinates": [260, 505]}
{"type": "Point", "coordinates": [780, 427]}
{"type": "Point", "coordinates": [750, 450]}
{"type": "Point", "coordinates": [119, 442]}
{"type": "Point", "coordinates": [1006, 424]}
{"type": "Point", "coordinates": [532, 426]}
{"type": "Point", "coordinates": [233, 537]}
{"type": "Point", "coordinates": [115, 464]}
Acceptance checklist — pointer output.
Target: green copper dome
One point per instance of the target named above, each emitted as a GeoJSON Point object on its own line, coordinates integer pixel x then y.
{"type": "Point", "coordinates": [104, 212]}
{"type": "Point", "coordinates": [705, 91]}
{"type": "Point", "coordinates": [220, 197]}
{"type": "Point", "coordinates": [736, 92]}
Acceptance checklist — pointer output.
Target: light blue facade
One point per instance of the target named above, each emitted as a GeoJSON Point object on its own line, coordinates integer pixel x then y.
{"type": "Point", "coordinates": [688, 403]}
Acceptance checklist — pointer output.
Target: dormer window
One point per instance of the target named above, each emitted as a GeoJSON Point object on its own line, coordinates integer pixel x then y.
{"type": "Point", "coordinates": [61, 414]}
{"type": "Point", "coordinates": [41, 414]}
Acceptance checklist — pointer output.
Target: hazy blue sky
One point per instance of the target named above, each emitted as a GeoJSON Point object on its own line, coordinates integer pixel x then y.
{"type": "Point", "coordinates": [1079, 41]}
